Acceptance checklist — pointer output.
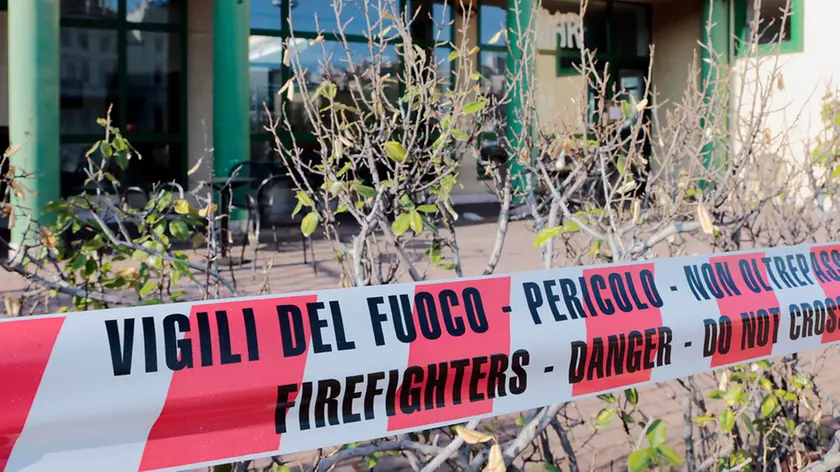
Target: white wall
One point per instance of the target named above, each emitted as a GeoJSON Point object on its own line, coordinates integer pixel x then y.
{"type": "Point", "coordinates": [797, 99]}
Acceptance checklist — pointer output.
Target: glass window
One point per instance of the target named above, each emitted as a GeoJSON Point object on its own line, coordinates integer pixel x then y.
{"type": "Point", "coordinates": [444, 68]}
{"type": "Point", "coordinates": [98, 10]}
{"type": "Point", "coordinates": [430, 21]}
{"type": "Point", "coordinates": [159, 163]}
{"type": "Point", "coordinates": [492, 17]}
{"type": "Point", "coordinates": [776, 25]}
{"type": "Point", "coordinates": [631, 32]}
{"type": "Point", "coordinates": [263, 151]}
{"type": "Point", "coordinates": [494, 76]}
{"type": "Point", "coordinates": [73, 164]}
{"type": "Point", "coordinates": [340, 69]}
{"type": "Point", "coordinates": [266, 57]}
{"type": "Point", "coordinates": [153, 11]}
{"type": "Point", "coordinates": [595, 22]}
{"type": "Point", "coordinates": [266, 14]}
{"type": "Point", "coordinates": [89, 83]}
{"type": "Point", "coordinates": [773, 26]}
{"type": "Point", "coordinates": [358, 17]}
{"type": "Point", "coordinates": [154, 82]}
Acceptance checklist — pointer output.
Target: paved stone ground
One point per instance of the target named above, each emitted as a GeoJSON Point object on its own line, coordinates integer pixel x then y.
{"type": "Point", "coordinates": [605, 451]}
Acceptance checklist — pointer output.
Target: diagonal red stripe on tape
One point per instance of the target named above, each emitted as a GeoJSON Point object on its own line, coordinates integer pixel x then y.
{"type": "Point", "coordinates": [619, 338]}
{"type": "Point", "coordinates": [494, 295]}
{"type": "Point", "coordinates": [227, 410]}
{"type": "Point", "coordinates": [25, 348]}
{"type": "Point", "coordinates": [742, 306]}
{"type": "Point", "coordinates": [825, 262]}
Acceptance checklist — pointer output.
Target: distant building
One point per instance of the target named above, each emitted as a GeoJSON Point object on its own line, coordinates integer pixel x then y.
{"type": "Point", "coordinates": [186, 76]}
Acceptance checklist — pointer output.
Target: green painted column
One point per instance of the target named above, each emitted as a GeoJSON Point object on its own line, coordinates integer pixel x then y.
{"type": "Point", "coordinates": [520, 75]}
{"type": "Point", "coordinates": [716, 13]}
{"type": "Point", "coordinates": [34, 79]}
{"type": "Point", "coordinates": [231, 86]}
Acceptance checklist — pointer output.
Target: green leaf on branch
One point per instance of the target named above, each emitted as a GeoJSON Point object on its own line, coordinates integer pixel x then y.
{"type": "Point", "coordinates": [474, 107]}
{"type": "Point", "coordinates": [106, 148]}
{"type": "Point", "coordinates": [733, 396]}
{"type": "Point", "coordinates": [716, 394]}
{"type": "Point", "coordinates": [702, 420]}
{"type": "Point", "coordinates": [632, 395]}
{"type": "Point", "coordinates": [304, 199]}
{"type": "Point", "coordinates": [604, 417]}
{"type": "Point", "coordinates": [427, 208]}
{"type": "Point", "coordinates": [364, 190]}
{"type": "Point", "coordinates": [93, 245]}
{"type": "Point", "coordinates": [607, 397]}
{"type": "Point", "coordinates": [396, 151]}
{"type": "Point", "coordinates": [454, 55]}
{"type": "Point", "coordinates": [179, 229]}
{"type": "Point", "coordinates": [183, 207]}
{"type": "Point", "coordinates": [198, 240]}
{"type": "Point", "coordinates": [148, 288]}
{"type": "Point", "coordinates": [727, 420]}
{"type": "Point", "coordinates": [552, 468]}
{"type": "Point", "coordinates": [769, 405]}
{"type": "Point", "coordinates": [93, 149]}
{"type": "Point", "coordinates": [401, 224]}
{"type": "Point", "coordinates": [309, 224]}
{"type": "Point", "coordinates": [639, 460]}
{"type": "Point", "coordinates": [669, 455]}
{"type": "Point", "coordinates": [547, 234]}
{"type": "Point", "coordinates": [416, 222]}
{"type": "Point", "coordinates": [656, 433]}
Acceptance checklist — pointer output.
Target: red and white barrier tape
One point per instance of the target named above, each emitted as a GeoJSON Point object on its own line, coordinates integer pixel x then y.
{"type": "Point", "coordinates": [189, 384]}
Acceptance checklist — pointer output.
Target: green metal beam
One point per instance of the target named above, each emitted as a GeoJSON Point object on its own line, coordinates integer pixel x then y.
{"type": "Point", "coordinates": [716, 14]}
{"type": "Point", "coordinates": [34, 80]}
{"type": "Point", "coordinates": [231, 88]}
{"type": "Point", "coordinates": [520, 74]}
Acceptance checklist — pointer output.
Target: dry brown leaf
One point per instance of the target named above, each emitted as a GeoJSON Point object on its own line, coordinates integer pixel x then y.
{"type": "Point", "coordinates": [284, 87]}
{"type": "Point", "coordinates": [471, 436]}
{"type": "Point", "coordinates": [12, 305]}
{"type": "Point", "coordinates": [287, 58]}
{"type": "Point", "coordinates": [126, 272]}
{"type": "Point", "coordinates": [705, 220]}
{"type": "Point", "coordinates": [14, 148]}
{"type": "Point", "coordinates": [195, 168]}
{"type": "Point", "coordinates": [780, 82]}
{"type": "Point", "coordinates": [724, 380]}
{"type": "Point", "coordinates": [211, 208]}
{"type": "Point", "coordinates": [496, 460]}
{"type": "Point", "coordinates": [496, 37]}
{"type": "Point", "coordinates": [637, 211]}
{"type": "Point", "coordinates": [640, 107]}
{"type": "Point", "coordinates": [524, 156]}
{"type": "Point", "coordinates": [48, 238]}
